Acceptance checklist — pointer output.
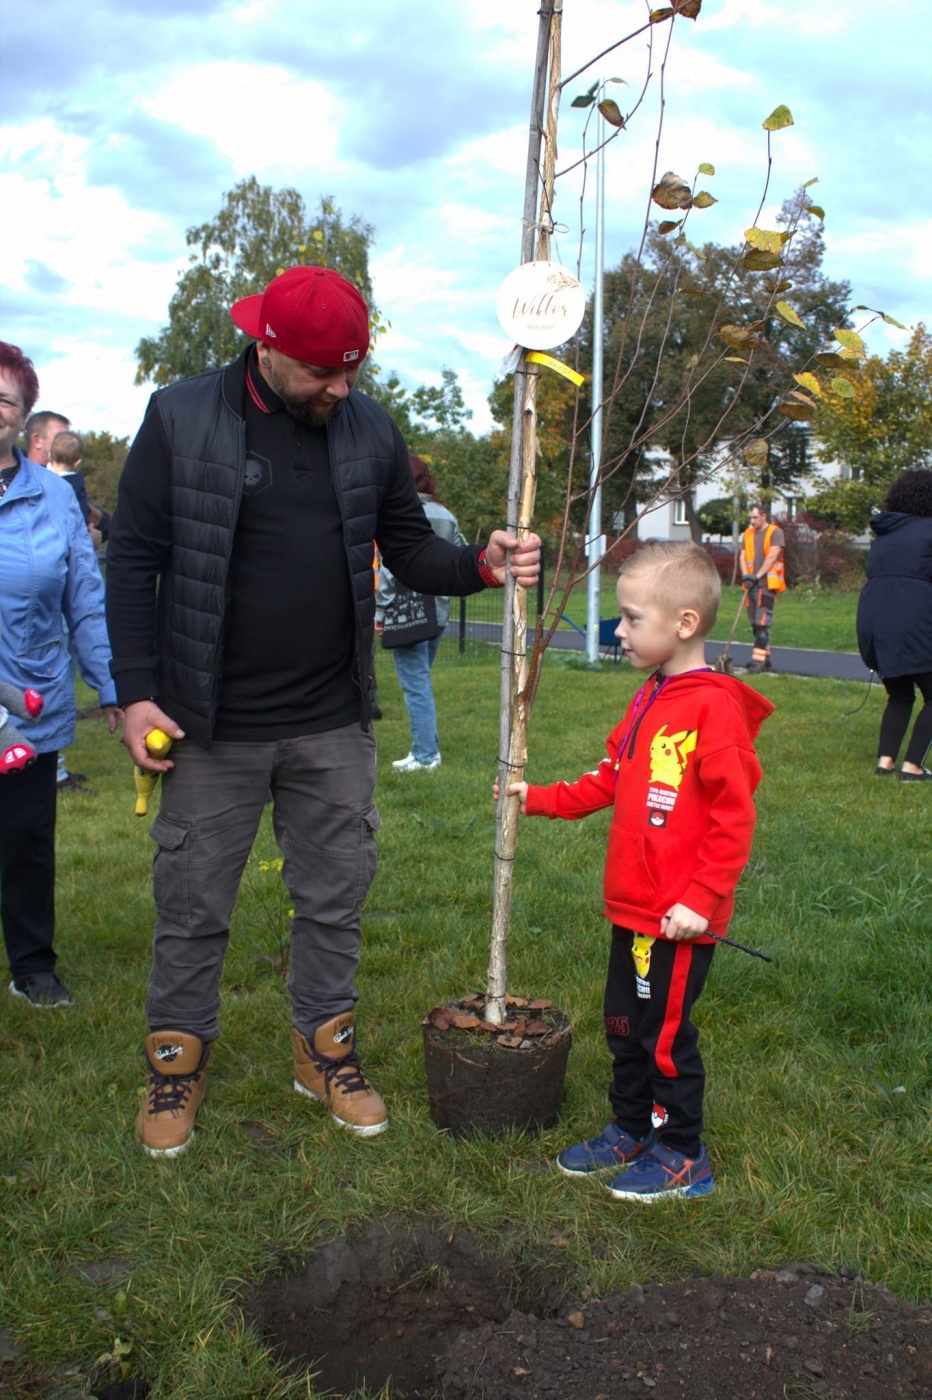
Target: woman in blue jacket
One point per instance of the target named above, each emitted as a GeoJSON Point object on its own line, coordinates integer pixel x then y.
{"type": "Point", "coordinates": [48, 572]}
{"type": "Point", "coordinates": [895, 620]}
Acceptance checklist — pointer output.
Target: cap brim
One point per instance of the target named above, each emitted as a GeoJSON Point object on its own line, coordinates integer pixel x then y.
{"type": "Point", "coordinates": [246, 313]}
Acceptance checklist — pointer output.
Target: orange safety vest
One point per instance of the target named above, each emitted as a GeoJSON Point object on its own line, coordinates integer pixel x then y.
{"type": "Point", "coordinates": [776, 578]}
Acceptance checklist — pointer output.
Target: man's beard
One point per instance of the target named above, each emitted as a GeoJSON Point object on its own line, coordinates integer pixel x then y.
{"type": "Point", "coordinates": [301, 409]}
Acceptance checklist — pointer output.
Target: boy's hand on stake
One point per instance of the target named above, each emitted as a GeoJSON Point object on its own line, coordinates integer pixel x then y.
{"type": "Point", "coordinates": [518, 790]}
{"type": "Point", "coordinates": [681, 923]}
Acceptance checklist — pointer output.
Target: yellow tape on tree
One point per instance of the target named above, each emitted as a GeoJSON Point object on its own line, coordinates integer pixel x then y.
{"type": "Point", "coordinates": [538, 358]}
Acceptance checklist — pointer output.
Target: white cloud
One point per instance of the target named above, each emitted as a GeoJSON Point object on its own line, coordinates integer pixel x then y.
{"type": "Point", "coordinates": [259, 116]}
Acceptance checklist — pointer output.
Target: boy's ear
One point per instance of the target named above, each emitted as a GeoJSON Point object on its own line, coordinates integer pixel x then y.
{"type": "Point", "coordinates": [687, 623]}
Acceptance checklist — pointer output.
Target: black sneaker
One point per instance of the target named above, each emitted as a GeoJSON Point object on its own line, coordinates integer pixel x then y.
{"type": "Point", "coordinates": [72, 784]}
{"type": "Point", "coordinates": [41, 989]}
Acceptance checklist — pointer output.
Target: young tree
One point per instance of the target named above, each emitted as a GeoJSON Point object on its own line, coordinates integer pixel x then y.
{"type": "Point", "coordinates": [258, 232]}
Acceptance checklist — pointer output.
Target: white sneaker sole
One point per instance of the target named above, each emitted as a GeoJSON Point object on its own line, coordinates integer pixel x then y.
{"type": "Point", "coordinates": [169, 1152]}
{"type": "Point", "coordinates": [40, 1005]}
{"type": "Point", "coordinates": [360, 1129]}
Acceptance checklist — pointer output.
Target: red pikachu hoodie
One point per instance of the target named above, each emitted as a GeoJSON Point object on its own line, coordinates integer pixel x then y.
{"type": "Point", "coordinates": [681, 772]}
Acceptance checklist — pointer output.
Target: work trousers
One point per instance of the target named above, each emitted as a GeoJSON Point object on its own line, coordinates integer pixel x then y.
{"type": "Point", "coordinates": [659, 1076]}
{"type": "Point", "coordinates": [28, 802]}
{"type": "Point", "coordinates": [901, 695]}
{"type": "Point", "coordinates": [760, 615]}
{"type": "Point", "coordinates": [324, 821]}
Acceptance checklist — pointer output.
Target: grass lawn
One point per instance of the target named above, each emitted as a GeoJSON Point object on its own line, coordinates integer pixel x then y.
{"type": "Point", "coordinates": [819, 1089]}
{"type": "Point", "coordinates": [821, 619]}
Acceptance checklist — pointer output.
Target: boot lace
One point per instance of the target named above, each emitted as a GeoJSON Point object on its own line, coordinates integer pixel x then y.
{"type": "Point", "coordinates": [347, 1073]}
{"type": "Point", "coordinates": [170, 1091]}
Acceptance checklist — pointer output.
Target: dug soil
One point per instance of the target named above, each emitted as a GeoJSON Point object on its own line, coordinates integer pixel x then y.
{"type": "Point", "coordinates": [437, 1315]}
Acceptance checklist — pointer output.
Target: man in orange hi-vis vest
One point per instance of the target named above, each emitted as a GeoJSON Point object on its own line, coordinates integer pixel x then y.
{"type": "Point", "coordinates": [762, 579]}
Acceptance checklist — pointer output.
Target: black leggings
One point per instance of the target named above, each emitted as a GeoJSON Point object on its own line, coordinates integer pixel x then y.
{"type": "Point", "coordinates": [901, 695]}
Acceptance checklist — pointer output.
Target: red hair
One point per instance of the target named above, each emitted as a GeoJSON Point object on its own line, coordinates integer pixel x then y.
{"type": "Point", "coordinates": [19, 367]}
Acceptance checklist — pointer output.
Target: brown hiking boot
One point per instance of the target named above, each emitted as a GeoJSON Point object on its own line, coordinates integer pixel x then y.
{"type": "Point", "coordinates": [329, 1070]}
{"type": "Point", "coordinates": [177, 1080]}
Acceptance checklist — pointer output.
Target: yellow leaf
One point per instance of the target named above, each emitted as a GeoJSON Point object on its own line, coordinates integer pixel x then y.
{"type": "Point", "coordinates": [788, 314]}
{"type": "Point", "coordinates": [703, 200]}
{"type": "Point", "coordinates": [767, 239]}
{"type": "Point", "coordinates": [842, 387]}
{"type": "Point", "coordinates": [706, 169]}
{"type": "Point", "coordinates": [809, 381]}
{"type": "Point", "coordinates": [816, 210]}
{"type": "Point", "coordinates": [656, 16]}
{"type": "Point", "coordinates": [779, 118]}
{"type": "Point", "coordinates": [757, 452]}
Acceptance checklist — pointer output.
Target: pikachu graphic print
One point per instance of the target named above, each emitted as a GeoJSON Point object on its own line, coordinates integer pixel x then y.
{"type": "Point", "coordinates": [669, 756]}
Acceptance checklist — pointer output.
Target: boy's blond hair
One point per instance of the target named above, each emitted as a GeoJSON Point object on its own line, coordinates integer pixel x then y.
{"type": "Point", "coordinates": [684, 576]}
{"type": "Point", "coordinates": [66, 450]}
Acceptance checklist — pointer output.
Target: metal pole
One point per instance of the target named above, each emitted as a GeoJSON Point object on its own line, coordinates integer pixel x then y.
{"type": "Point", "coordinates": [595, 548]}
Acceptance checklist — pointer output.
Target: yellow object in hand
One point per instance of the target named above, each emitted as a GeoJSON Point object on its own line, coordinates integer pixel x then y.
{"type": "Point", "coordinates": [158, 745]}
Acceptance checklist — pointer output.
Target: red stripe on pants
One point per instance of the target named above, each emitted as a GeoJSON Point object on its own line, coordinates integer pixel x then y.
{"type": "Point", "coordinates": [673, 1016]}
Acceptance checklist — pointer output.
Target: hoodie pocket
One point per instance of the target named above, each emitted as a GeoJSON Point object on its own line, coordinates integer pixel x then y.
{"type": "Point", "coordinates": [629, 876]}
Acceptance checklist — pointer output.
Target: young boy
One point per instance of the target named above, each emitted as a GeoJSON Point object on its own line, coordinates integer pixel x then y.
{"type": "Point", "coordinates": [65, 455]}
{"type": "Point", "coordinates": [680, 774]}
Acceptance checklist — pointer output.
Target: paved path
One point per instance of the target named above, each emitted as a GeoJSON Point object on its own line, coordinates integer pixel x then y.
{"type": "Point", "coordinates": [795, 661]}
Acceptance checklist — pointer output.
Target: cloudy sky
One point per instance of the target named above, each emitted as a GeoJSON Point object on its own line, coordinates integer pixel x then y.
{"type": "Point", "coordinates": [126, 121]}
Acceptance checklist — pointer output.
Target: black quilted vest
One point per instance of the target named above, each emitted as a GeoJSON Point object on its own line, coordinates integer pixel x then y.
{"type": "Point", "coordinates": [205, 426]}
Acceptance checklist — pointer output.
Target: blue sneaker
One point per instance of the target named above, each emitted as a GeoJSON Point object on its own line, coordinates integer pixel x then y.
{"type": "Point", "coordinates": [660, 1172]}
{"type": "Point", "coordinates": [611, 1149]}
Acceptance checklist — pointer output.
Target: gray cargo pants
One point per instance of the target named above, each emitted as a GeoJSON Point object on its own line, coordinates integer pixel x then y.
{"type": "Point", "coordinates": [325, 824]}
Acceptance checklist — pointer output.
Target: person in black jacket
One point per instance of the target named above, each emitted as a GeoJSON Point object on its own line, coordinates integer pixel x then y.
{"type": "Point", "coordinates": [895, 620]}
{"type": "Point", "coordinates": [240, 609]}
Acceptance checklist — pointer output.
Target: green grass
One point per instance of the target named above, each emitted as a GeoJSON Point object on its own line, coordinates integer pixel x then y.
{"type": "Point", "coordinates": [819, 618]}
{"type": "Point", "coordinates": [818, 1102]}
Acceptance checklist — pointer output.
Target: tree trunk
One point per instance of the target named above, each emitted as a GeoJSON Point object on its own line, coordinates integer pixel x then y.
{"type": "Point", "coordinates": [522, 487]}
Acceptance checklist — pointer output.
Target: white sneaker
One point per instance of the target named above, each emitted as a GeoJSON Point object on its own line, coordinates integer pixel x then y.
{"type": "Point", "coordinates": [410, 764]}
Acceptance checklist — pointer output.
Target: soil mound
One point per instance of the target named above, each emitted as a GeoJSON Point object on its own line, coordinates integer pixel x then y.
{"type": "Point", "coordinates": [441, 1318]}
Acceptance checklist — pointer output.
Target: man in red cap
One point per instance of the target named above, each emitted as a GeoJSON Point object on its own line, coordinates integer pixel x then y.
{"type": "Point", "coordinates": [240, 610]}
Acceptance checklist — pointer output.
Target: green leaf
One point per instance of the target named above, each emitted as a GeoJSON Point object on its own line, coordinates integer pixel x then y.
{"type": "Point", "coordinates": [817, 210]}
{"type": "Point", "coordinates": [784, 310]}
{"type": "Point", "coordinates": [842, 387]}
{"type": "Point", "coordinates": [668, 225]}
{"type": "Point", "coordinates": [706, 169]}
{"type": "Point", "coordinates": [758, 260]}
{"type": "Point", "coordinates": [779, 118]}
{"type": "Point", "coordinates": [657, 16]}
{"type": "Point", "coordinates": [813, 181]}
{"type": "Point", "coordinates": [851, 341]}
{"type": "Point", "coordinates": [611, 112]}
{"type": "Point", "coordinates": [586, 100]}
{"type": "Point", "coordinates": [883, 316]}
{"type": "Point", "coordinates": [704, 200]}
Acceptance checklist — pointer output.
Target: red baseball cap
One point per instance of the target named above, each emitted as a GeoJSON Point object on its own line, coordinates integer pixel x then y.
{"type": "Point", "coordinates": [311, 314]}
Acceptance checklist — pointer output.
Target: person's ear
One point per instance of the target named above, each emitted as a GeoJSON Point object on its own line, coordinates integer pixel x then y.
{"type": "Point", "coordinates": [687, 623]}
{"type": "Point", "coordinates": [262, 350]}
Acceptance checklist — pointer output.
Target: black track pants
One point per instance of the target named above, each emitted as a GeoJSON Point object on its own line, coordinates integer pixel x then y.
{"type": "Point", "coordinates": [651, 986]}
